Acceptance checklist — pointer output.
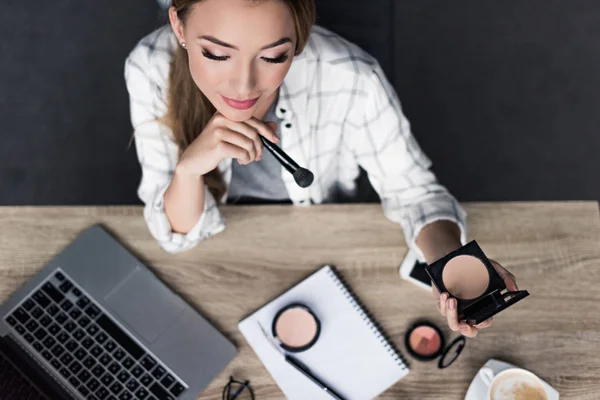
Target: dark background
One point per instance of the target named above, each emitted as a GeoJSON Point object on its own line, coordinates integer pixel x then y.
{"type": "Point", "coordinates": [504, 96]}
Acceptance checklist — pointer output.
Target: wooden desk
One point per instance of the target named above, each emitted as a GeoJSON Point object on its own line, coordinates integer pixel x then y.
{"type": "Point", "coordinates": [553, 248]}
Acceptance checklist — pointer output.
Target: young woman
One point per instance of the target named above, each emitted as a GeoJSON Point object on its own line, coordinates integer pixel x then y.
{"type": "Point", "coordinates": [204, 88]}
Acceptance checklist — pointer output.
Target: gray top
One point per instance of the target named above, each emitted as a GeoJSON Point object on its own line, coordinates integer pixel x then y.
{"type": "Point", "coordinates": [259, 180]}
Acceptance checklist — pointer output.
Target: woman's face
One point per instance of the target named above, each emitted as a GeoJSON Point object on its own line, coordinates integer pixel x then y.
{"type": "Point", "coordinates": [239, 52]}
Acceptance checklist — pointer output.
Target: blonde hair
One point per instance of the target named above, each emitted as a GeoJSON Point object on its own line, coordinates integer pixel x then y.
{"type": "Point", "coordinates": [188, 108]}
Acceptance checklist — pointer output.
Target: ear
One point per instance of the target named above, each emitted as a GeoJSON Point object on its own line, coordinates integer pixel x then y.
{"type": "Point", "coordinates": [176, 24]}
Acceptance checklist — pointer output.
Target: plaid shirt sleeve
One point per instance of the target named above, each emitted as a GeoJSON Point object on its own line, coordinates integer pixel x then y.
{"type": "Point", "coordinates": [158, 153]}
{"type": "Point", "coordinates": [397, 168]}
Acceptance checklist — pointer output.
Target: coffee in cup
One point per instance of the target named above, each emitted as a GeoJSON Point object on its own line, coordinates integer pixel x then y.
{"type": "Point", "coordinates": [513, 384]}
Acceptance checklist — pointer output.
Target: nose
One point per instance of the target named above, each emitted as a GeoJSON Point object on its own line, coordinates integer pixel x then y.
{"type": "Point", "coordinates": [243, 80]}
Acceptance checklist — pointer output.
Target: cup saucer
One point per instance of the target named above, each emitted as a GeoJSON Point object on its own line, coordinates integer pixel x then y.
{"type": "Point", "coordinates": [478, 389]}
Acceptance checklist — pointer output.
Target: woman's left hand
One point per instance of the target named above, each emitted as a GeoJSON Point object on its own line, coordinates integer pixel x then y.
{"type": "Point", "coordinates": [446, 305]}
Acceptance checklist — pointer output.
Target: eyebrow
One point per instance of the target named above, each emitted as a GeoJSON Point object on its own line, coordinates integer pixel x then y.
{"type": "Point", "coordinates": [221, 43]}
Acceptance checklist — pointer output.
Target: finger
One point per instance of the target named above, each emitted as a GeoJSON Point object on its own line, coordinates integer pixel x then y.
{"type": "Point", "coordinates": [485, 324]}
{"type": "Point", "coordinates": [467, 330]}
{"type": "Point", "coordinates": [238, 139]}
{"type": "Point", "coordinates": [264, 129]}
{"type": "Point", "coordinates": [229, 150]}
{"type": "Point", "coordinates": [442, 302]}
{"type": "Point", "coordinates": [452, 314]}
{"type": "Point", "coordinates": [509, 279]}
{"type": "Point", "coordinates": [251, 133]}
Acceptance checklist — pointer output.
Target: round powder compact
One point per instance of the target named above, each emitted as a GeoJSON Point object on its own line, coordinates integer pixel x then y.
{"type": "Point", "coordinates": [425, 342]}
{"type": "Point", "coordinates": [296, 327]}
{"type": "Point", "coordinates": [466, 277]}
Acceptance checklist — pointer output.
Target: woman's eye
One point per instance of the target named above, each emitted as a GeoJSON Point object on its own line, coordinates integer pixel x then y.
{"type": "Point", "coordinates": [281, 59]}
{"type": "Point", "coordinates": [211, 56]}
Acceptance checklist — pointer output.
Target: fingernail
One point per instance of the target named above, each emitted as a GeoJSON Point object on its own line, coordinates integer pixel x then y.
{"type": "Point", "coordinates": [444, 297]}
{"type": "Point", "coordinates": [452, 304]}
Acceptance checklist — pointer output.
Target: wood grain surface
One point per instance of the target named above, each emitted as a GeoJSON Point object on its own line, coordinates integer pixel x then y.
{"type": "Point", "coordinates": [553, 248]}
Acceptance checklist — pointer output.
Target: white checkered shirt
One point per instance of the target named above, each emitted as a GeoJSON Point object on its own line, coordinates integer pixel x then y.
{"type": "Point", "coordinates": [339, 112]}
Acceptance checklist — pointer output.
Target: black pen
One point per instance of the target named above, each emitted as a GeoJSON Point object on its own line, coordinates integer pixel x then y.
{"type": "Point", "coordinates": [296, 364]}
{"type": "Point", "coordinates": [303, 369]}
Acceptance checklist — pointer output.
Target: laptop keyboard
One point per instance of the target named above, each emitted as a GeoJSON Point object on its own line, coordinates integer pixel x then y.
{"type": "Point", "coordinates": [84, 346]}
{"type": "Point", "coordinates": [13, 385]}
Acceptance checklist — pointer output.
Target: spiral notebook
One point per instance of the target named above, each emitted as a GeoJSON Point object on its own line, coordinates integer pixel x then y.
{"type": "Point", "coordinates": [352, 355]}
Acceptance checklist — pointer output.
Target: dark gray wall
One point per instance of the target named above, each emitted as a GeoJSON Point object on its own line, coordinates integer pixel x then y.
{"type": "Point", "coordinates": [504, 96]}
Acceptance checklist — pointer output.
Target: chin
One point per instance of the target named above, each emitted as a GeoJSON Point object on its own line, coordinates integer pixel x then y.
{"type": "Point", "coordinates": [237, 115]}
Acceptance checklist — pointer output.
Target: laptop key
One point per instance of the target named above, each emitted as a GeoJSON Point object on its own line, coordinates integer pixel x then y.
{"type": "Point", "coordinates": [82, 302]}
{"type": "Point", "coordinates": [75, 367]}
{"type": "Point", "coordinates": [83, 390]}
{"type": "Point", "coordinates": [11, 320]}
{"type": "Point", "coordinates": [87, 342]}
{"type": "Point", "coordinates": [141, 394]}
{"type": "Point", "coordinates": [137, 371]}
{"type": "Point", "coordinates": [58, 350]}
{"type": "Point", "coordinates": [47, 355]}
{"type": "Point", "coordinates": [66, 359]}
{"type": "Point", "coordinates": [121, 337]}
{"type": "Point", "coordinates": [38, 346]}
{"type": "Point", "coordinates": [128, 362]}
{"type": "Point", "coordinates": [105, 359]}
{"type": "Point", "coordinates": [116, 388]}
{"type": "Point", "coordinates": [65, 372]}
{"type": "Point", "coordinates": [66, 305]}
{"type": "Point", "coordinates": [93, 329]}
{"type": "Point", "coordinates": [84, 321]}
{"type": "Point", "coordinates": [146, 380]}
{"type": "Point", "coordinates": [65, 286]}
{"type": "Point", "coordinates": [49, 342]}
{"type": "Point", "coordinates": [168, 381]}
{"type": "Point", "coordinates": [79, 334]}
{"type": "Point", "coordinates": [96, 351]}
{"type": "Point", "coordinates": [177, 389]}
{"type": "Point", "coordinates": [107, 379]}
{"type": "Point", "coordinates": [53, 309]}
{"type": "Point", "coordinates": [76, 292]}
{"type": "Point", "coordinates": [92, 311]}
{"type": "Point", "coordinates": [101, 338]}
{"type": "Point", "coordinates": [71, 345]}
{"type": "Point", "coordinates": [32, 326]}
{"type": "Point", "coordinates": [20, 329]}
{"type": "Point", "coordinates": [38, 312]}
{"type": "Point", "coordinates": [21, 315]}
{"type": "Point", "coordinates": [29, 337]}
{"type": "Point", "coordinates": [40, 334]}
{"type": "Point", "coordinates": [61, 318]}
{"type": "Point", "coordinates": [158, 372]}
{"type": "Point", "coordinates": [62, 337]}
{"type": "Point", "coordinates": [51, 291]}
{"type": "Point", "coordinates": [111, 397]}
{"type": "Point", "coordinates": [41, 299]}
{"type": "Point", "coordinates": [123, 376]}
{"type": "Point", "coordinates": [102, 393]}
{"type": "Point", "coordinates": [45, 321]}
{"type": "Point", "coordinates": [70, 326]}
{"type": "Point", "coordinates": [160, 393]}
{"type": "Point", "coordinates": [59, 276]}
{"type": "Point", "coordinates": [110, 346]}
{"type": "Point", "coordinates": [75, 313]}
{"type": "Point", "coordinates": [80, 354]}
{"type": "Point", "coordinates": [93, 384]}
{"type": "Point", "coordinates": [74, 381]}
{"type": "Point", "coordinates": [148, 363]}
{"type": "Point", "coordinates": [56, 364]}
{"type": "Point", "coordinates": [125, 396]}
{"type": "Point", "coordinates": [54, 329]}
{"type": "Point", "coordinates": [132, 385]}
{"type": "Point", "coordinates": [89, 362]}
{"type": "Point", "coordinates": [119, 354]}
{"type": "Point", "coordinates": [83, 376]}
{"type": "Point", "coordinates": [98, 371]}
{"type": "Point", "coordinates": [28, 304]}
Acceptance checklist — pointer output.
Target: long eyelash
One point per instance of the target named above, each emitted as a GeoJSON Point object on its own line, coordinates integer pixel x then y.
{"type": "Point", "coordinates": [281, 59]}
{"type": "Point", "coordinates": [211, 56]}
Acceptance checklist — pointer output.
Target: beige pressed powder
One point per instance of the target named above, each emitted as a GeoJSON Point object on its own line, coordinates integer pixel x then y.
{"type": "Point", "coordinates": [465, 277]}
{"type": "Point", "coordinates": [296, 327]}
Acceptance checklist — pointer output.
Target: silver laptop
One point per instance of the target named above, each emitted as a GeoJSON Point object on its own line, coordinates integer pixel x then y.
{"type": "Point", "coordinates": [96, 323]}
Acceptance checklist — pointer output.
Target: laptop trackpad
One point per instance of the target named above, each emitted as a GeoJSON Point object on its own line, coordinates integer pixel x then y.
{"type": "Point", "coordinates": [145, 304]}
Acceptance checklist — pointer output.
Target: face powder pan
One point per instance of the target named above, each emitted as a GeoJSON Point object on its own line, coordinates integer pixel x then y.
{"type": "Point", "coordinates": [296, 327]}
{"type": "Point", "coordinates": [425, 342]}
{"type": "Point", "coordinates": [469, 276]}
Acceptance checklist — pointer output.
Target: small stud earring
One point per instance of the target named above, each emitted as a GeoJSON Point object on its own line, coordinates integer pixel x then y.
{"type": "Point", "coordinates": [183, 45]}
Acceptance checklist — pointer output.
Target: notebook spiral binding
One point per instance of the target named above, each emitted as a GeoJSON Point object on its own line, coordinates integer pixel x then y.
{"type": "Point", "coordinates": [366, 316]}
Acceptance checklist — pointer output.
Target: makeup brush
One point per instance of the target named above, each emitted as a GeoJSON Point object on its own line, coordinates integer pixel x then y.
{"type": "Point", "coordinates": [303, 177]}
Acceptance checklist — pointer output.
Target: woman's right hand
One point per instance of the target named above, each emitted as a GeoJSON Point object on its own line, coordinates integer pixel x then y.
{"type": "Point", "coordinates": [223, 138]}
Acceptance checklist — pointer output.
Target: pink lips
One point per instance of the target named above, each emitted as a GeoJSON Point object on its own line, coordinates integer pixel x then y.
{"type": "Point", "coordinates": [240, 104]}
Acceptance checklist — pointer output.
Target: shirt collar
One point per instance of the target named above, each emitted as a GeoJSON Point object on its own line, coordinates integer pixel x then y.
{"type": "Point", "coordinates": [293, 96]}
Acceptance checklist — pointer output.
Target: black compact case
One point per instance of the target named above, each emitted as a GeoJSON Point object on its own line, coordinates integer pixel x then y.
{"type": "Point", "coordinates": [491, 302]}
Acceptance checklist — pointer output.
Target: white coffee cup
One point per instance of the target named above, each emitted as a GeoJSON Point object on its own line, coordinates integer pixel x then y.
{"type": "Point", "coordinates": [512, 384]}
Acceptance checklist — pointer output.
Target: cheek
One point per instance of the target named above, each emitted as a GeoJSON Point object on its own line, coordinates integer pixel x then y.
{"type": "Point", "coordinates": [273, 76]}
{"type": "Point", "coordinates": [206, 75]}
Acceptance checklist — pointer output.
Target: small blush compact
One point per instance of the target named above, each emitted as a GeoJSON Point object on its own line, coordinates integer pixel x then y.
{"type": "Point", "coordinates": [425, 342]}
{"type": "Point", "coordinates": [469, 276]}
{"type": "Point", "coordinates": [296, 328]}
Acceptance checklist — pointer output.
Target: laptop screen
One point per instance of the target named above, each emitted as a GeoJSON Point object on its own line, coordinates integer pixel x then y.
{"type": "Point", "coordinates": [22, 378]}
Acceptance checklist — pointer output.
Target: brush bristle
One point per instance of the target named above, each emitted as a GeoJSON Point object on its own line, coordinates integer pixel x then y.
{"type": "Point", "coordinates": [303, 177]}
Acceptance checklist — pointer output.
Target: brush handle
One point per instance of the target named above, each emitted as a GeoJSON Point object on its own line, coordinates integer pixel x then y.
{"type": "Point", "coordinates": [280, 155]}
